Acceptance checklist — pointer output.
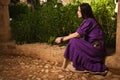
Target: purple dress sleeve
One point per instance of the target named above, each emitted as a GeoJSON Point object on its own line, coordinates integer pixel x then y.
{"type": "Point", "coordinates": [84, 28]}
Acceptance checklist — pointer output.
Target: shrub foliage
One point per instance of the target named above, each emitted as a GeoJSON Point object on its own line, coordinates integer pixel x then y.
{"type": "Point", "coordinates": [53, 19]}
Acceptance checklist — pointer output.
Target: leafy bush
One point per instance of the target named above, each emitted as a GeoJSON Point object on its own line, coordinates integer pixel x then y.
{"type": "Point", "coordinates": [45, 24]}
{"type": "Point", "coordinates": [52, 19]}
{"type": "Point", "coordinates": [19, 8]}
{"type": "Point", "coordinates": [104, 12]}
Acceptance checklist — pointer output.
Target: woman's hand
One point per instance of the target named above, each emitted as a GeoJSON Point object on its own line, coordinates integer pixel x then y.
{"type": "Point", "coordinates": [58, 40]}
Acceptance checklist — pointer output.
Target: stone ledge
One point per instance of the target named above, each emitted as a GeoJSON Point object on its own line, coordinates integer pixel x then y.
{"type": "Point", "coordinates": [7, 47]}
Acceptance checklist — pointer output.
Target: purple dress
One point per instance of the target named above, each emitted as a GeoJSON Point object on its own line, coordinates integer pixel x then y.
{"type": "Point", "coordinates": [81, 51]}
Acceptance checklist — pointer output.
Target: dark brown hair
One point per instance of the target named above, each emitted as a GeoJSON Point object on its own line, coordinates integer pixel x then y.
{"type": "Point", "coordinates": [86, 11]}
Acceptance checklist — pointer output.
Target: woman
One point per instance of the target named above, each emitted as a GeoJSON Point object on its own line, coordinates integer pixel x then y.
{"type": "Point", "coordinates": [86, 48]}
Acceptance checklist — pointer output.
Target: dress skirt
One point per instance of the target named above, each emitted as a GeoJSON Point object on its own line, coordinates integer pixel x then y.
{"type": "Point", "coordinates": [85, 56]}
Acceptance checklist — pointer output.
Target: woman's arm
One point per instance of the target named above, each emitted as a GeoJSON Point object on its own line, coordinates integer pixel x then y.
{"type": "Point", "coordinates": [73, 35]}
{"type": "Point", "coordinates": [64, 38]}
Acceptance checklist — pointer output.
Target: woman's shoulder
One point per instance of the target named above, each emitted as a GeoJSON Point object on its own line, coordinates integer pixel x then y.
{"type": "Point", "coordinates": [90, 19]}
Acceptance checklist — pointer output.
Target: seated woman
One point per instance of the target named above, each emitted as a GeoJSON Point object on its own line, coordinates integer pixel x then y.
{"type": "Point", "coordinates": [86, 48]}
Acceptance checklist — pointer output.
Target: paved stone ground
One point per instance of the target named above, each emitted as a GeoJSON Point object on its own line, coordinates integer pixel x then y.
{"type": "Point", "coordinates": [27, 67]}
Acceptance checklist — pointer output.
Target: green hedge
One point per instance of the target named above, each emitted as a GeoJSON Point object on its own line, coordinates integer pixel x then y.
{"type": "Point", "coordinates": [105, 14]}
{"type": "Point", "coordinates": [53, 19]}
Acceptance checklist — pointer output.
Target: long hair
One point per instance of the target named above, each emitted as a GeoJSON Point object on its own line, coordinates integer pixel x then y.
{"type": "Point", "coordinates": [86, 11]}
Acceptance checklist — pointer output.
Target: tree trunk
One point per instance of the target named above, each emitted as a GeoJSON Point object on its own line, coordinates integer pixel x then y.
{"type": "Point", "coordinates": [5, 34]}
{"type": "Point", "coordinates": [118, 31]}
{"type": "Point", "coordinates": [113, 62]}
{"type": "Point", "coordinates": [4, 23]}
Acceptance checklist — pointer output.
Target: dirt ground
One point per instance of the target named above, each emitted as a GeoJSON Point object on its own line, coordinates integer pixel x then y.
{"type": "Point", "coordinates": [39, 61]}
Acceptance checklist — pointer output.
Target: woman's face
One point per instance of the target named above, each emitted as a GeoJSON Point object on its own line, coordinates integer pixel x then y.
{"type": "Point", "coordinates": [79, 12]}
